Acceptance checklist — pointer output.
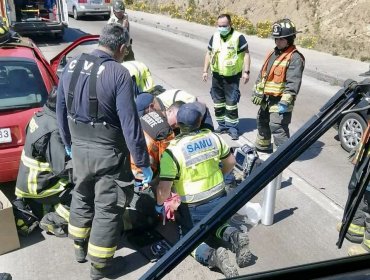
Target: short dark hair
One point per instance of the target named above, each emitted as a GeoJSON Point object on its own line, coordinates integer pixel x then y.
{"type": "Point", "coordinates": [226, 16]}
{"type": "Point", "coordinates": [176, 104]}
{"type": "Point", "coordinates": [113, 36]}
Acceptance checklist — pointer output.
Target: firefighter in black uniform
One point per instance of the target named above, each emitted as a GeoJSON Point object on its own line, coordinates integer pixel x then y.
{"type": "Point", "coordinates": [98, 120]}
{"type": "Point", "coordinates": [42, 180]}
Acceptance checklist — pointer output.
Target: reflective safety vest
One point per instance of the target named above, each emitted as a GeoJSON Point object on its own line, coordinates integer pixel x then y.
{"type": "Point", "coordinates": [158, 134]}
{"type": "Point", "coordinates": [143, 77]}
{"type": "Point", "coordinates": [225, 59]}
{"type": "Point", "coordinates": [273, 82]}
{"type": "Point", "coordinates": [35, 176]}
{"type": "Point", "coordinates": [170, 96]}
{"type": "Point", "coordinates": [198, 156]}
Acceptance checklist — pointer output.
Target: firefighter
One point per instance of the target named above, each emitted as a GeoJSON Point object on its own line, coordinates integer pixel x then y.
{"type": "Point", "coordinates": [190, 166]}
{"type": "Point", "coordinates": [359, 228]}
{"type": "Point", "coordinates": [100, 126]}
{"type": "Point", "coordinates": [277, 87]}
{"type": "Point", "coordinates": [43, 179]}
{"type": "Point", "coordinates": [229, 58]}
{"type": "Point", "coordinates": [120, 16]}
{"type": "Point", "coordinates": [140, 73]}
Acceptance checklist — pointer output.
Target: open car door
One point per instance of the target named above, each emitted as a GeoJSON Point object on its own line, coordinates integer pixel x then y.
{"type": "Point", "coordinates": [59, 61]}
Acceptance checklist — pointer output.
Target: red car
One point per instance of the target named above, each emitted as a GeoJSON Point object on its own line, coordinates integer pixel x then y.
{"type": "Point", "coordinates": [26, 78]}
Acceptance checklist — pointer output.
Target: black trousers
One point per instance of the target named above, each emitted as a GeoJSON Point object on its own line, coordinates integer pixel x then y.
{"type": "Point", "coordinates": [97, 200]}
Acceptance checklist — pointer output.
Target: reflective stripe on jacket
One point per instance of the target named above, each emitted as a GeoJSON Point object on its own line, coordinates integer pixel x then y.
{"type": "Point", "coordinates": [198, 156]}
{"type": "Point", "coordinates": [273, 82]}
{"type": "Point", "coordinates": [140, 71]}
{"type": "Point", "coordinates": [225, 59]}
{"type": "Point", "coordinates": [36, 179]}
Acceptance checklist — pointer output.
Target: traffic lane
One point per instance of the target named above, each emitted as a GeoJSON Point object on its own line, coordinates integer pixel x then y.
{"type": "Point", "coordinates": [178, 60]}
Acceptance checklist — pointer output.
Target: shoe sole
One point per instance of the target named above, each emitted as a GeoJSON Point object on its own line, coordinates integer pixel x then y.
{"type": "Point", "coordinates": [226, 267]}
{"type": "Point", "coordinates": [221, 132]}
{"type": "Point", "coordinates": [354, 239]}
{"type": "Point", "coordinates": [49, 229]}
{"type": "Point", "coordinates": [243, 254]}
{"type": "Point", "coordinates": [244, 257]}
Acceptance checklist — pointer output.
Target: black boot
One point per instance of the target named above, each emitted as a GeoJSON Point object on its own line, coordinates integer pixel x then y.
{"type": "Point", "coordinates": [80, 250]}
{"type": "Point", "coordinates": [240, 242]}
{"type": "Point", "coordinates": [98, 272]}
{"type": "Point", "coordinates": [220, 259]}
{"type": "Point", "coordinates": [55, 224]}
{"type": "Point", "coordinates": [111, 269]}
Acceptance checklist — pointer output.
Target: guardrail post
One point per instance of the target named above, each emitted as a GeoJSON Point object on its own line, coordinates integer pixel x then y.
{"type": "Point", "coordinates": [269, 197]}
{"type": "Point", "coordinates": [278, 181]}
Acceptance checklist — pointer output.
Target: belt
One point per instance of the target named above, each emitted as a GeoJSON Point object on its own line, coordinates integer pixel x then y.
{"type": "Point", "coordinates": [205, 196]}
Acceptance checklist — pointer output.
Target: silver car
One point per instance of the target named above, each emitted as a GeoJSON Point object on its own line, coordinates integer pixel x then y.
{"type": "Point", "coordinates": [79, 8]}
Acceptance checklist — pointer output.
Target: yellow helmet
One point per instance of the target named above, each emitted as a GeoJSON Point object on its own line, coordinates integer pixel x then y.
{"type": "Point", "coordinates": [4, 31]}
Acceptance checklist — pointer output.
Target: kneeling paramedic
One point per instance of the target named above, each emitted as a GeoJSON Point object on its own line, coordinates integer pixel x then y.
{"type": "Point", "coordinates": [43, 179]}
{"type": "Point", "coordinates": [139, 214]}
{"type": "Point", "coordinates": [191, 167]}
{"type": "Point", "coordinates": [98, 121]}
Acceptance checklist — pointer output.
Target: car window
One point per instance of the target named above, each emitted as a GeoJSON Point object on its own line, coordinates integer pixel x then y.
{"type": "Point", "coordinates": [21, 85]}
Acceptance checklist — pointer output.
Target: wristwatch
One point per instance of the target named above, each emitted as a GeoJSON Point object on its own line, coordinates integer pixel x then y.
{"type": "Point", "coordinates": [247, 72]}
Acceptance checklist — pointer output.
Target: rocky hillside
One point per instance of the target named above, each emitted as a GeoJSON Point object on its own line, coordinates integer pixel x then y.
{"type": "Point", "coordinates": [339, 27]}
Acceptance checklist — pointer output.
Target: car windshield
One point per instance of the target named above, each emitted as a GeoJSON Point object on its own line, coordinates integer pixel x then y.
{"type": "Point", "coordinates": [21, 85]}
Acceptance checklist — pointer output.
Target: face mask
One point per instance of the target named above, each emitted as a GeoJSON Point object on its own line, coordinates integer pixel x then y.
{"type": "Point", "coordinates": [224, 30]}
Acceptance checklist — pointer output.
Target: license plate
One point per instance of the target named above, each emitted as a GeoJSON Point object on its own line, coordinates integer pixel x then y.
{"type": "Point", "coordinates": [96, 2]}
{"type": "Point", "coordinates": [5, 135]}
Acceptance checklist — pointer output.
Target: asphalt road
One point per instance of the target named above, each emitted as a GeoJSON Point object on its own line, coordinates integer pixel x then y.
{"type": "Point", "coordinates": [176, 61]}
{"type": "Point", "coordinates": [307, 207]}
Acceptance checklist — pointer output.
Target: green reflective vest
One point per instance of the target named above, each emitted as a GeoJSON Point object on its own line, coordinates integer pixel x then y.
{"type": "Point", "coordinates": [225, 59]}
{"type": "Point", "coordinates": [143, 77]}
{"type": "Point", "coordinates": [198, 156]}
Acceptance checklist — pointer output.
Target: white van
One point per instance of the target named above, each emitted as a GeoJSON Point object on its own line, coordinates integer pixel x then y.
{"type": "Point", "coordinates": [30, 17]}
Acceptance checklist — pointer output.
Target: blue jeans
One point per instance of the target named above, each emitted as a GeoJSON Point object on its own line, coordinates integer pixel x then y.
{"type": "Point", "coordinates": [190, 216]}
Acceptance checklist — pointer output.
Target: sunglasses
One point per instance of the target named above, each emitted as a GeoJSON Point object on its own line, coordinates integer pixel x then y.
{"type": "Point", "coordinates": [223, 26]}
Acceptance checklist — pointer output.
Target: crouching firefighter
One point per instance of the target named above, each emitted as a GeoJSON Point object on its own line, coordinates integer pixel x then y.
{"type": "Point", "coordinates": [98, 120]}
{"type": "Point", "coordinates": [191, 167]}
{"type": "Point", "coordinates": [43, 178]}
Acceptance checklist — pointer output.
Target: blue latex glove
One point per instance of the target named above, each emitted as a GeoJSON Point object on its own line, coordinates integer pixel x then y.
{"type": "Point", "coordinates": [159, 209]}
{"type": "Point", "coordinates": [282, 108]}
{"type": "Point", "coordinates": [68, 151]}
{"type": "Point", "coordinates": [138, 186]}
{"type": "Point", "coordinates": [148, 175]}
{"type": "Point", "coordinates": [161, 212]}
